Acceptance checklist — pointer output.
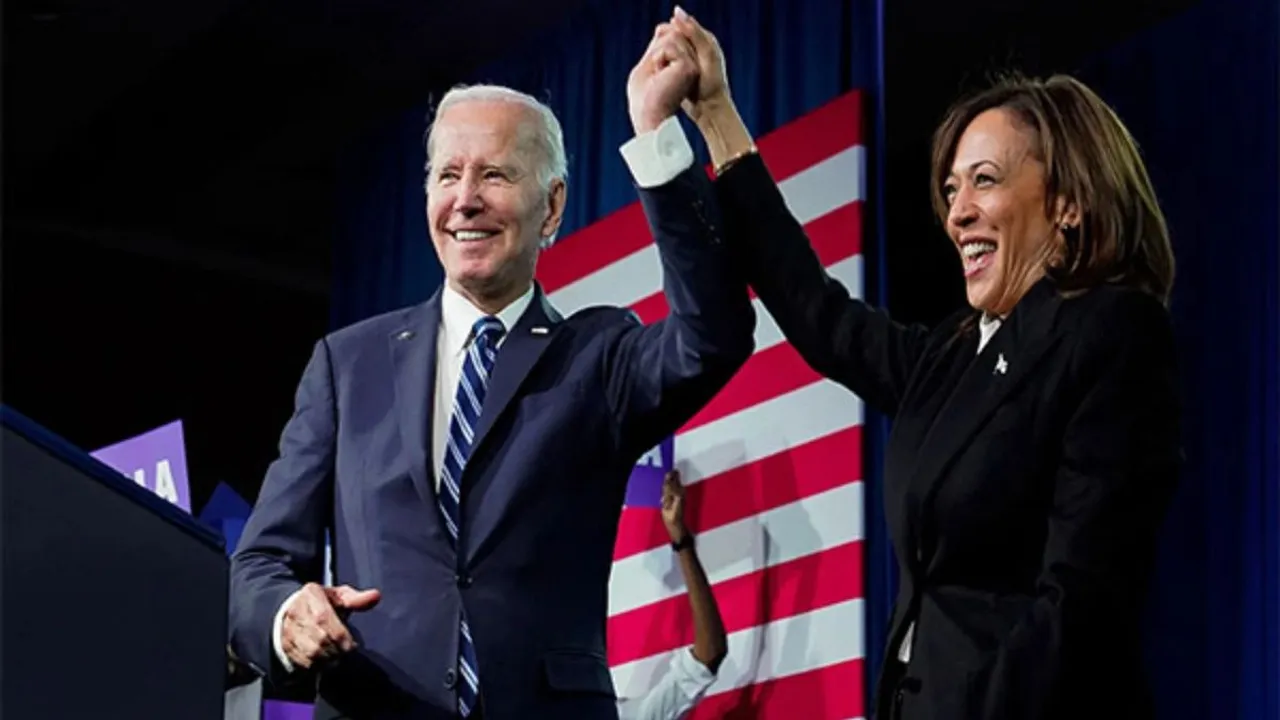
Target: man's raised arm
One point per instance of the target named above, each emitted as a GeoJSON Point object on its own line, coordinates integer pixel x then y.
{"type": "Point", "coordinates": [665, 372]}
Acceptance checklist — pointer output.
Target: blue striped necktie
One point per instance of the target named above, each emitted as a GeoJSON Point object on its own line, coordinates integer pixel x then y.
{"type": "Point", "coordinates": [467, 403]}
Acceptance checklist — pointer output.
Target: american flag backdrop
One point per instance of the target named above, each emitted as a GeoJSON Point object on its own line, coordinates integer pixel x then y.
{"type": "Point", "coordinates": [773, 465]}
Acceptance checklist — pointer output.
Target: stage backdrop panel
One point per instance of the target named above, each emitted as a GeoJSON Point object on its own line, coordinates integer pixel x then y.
{"type": "Point", "coordinates": [773, 464]}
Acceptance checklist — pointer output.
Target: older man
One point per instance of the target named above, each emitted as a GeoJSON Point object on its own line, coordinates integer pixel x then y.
{"type": "Point", "coordinates": [468, 455]}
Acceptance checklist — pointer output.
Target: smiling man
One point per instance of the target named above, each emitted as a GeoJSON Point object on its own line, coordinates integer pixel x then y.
{"type": "Point", "coordinates": [469, 455]}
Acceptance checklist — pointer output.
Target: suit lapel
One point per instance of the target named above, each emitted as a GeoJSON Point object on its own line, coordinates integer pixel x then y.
{"type": "Point", "coordinates": [520, 351]}
{"type": "Point", "coordinates": [1002, 366]}
{"type": "Point", "coordinates": [413, 359]}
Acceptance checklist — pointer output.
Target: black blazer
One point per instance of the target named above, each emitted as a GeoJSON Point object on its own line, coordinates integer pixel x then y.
{"type": "Point", "coordinates": [1024, 485]}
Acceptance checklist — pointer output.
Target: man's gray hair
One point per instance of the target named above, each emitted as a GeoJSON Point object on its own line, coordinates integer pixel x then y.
{"type": "Point", "coordinates": [546, 136]}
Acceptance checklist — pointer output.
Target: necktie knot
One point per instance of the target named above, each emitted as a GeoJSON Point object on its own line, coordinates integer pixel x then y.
{"type": "Point", "coordinates": [487, 331]}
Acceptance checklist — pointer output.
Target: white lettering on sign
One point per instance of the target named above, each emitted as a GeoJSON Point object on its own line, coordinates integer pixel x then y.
{"type": "Point", "coordinates": [164, 486]}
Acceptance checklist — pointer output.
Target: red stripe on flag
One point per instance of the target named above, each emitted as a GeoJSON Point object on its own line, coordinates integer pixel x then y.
{"type": "Point", "coordinates": [652, 309]}
{"type": "Point", "coordinates": [766, 375]}
{"type": "Point", "coordinates": [810, 139]}
{"type": "Point", "coordinates": [837, 235]}
{"type": "Point", "coordinates": [792, 588]}
{"type": "Point", "coordinates": [780, 479]}
{"type": "Point", "coordinates": [834, 237]}
{"type": "Point", "coordinates": [834, 692]}
{"type": "Point", "coordinates": [596, 246]}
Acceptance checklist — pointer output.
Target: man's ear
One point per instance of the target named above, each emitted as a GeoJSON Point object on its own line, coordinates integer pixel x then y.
{"type": "Point", "coordinates": [556, 197]}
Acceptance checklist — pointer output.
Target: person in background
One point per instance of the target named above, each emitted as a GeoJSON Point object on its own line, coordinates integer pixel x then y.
{"type": "Point", "coordinates": [1035, 444]}
{"type": "Point", "coordinates": [692, 669]}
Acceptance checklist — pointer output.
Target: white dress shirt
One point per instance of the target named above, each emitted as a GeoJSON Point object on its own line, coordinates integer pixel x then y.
{"type": "Point", "coordinates": [987, 327]}
{"type": "Point", "coordinates": [675, 694]}
{"type": "Point", "coordinates": [654, 158]}
{"type": "Point", "coordinates": [457, 317]}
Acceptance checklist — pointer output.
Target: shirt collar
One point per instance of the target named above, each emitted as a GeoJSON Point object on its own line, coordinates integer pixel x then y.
{"type": "Point", "coordinates": [458, 316]}
{"type": "Point", "coordinates": [987, 327]}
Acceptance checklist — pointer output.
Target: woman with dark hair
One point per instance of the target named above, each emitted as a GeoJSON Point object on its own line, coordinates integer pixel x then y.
{"type": "Point", "coordinates": [1035, 442]}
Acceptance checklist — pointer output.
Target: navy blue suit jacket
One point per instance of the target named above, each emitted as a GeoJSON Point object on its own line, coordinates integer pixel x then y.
{"type": "Point", "coordinates": [568, 413]}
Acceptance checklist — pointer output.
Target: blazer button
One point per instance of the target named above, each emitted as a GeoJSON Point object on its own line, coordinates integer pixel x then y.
{"type": "Point", "coordinates": [450, 679]}
{"type": "Point", "coordinates": [463, 581]}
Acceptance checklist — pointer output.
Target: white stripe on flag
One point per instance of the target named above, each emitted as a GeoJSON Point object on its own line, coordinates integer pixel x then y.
{"type": "Point", "coordinates": [784, 647]}
{"type": "Point", "coordinates": [770, 538]}
{"type": "Point", "coordinates": [826, 185]}
{"type": "Point", "coordinates": [810, 194]}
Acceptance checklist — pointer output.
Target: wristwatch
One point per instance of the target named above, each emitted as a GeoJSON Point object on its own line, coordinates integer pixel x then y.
{"type": "Point", "coordinates": [723, 167]}
{"type": "Point", "coordinates": [682, 543]}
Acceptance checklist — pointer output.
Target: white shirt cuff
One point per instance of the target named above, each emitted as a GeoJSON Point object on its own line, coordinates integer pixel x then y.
{"type": "Point", "coordinates": [658, 156]}
{"type": "Point", "coordinates": [695, 677]}
{"type": "Point", "coordinates": [276, 641]}
{"type": "Point", "coordinates": [674, 695]}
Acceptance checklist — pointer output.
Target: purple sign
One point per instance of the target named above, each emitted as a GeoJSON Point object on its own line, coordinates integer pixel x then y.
{"type": "Point", "coordinates": [644, 488]}
{"type": "Point", "coordinates": [281, 710]}
{"type": "Point", "coordinates": [156, 460]}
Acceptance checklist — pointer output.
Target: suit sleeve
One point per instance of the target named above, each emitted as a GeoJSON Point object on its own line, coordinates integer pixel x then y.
{"type": "Point", "coordinates": [840, 337]}
{"type": "Point", "coordinates": [282, 546]}
{"type": "Point", "coordinates": [662, 373]}
{"type": "Point", "coordinates": [1117, 474]}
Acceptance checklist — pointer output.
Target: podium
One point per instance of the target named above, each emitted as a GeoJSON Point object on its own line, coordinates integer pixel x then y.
{"type": "Point", "coordinates": [113, 602]}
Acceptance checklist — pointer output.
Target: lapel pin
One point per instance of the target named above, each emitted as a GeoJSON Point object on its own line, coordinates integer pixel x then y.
{"type": "Point", "coordinates": [404, 335]}
{"type": "Point", "coordinates": [539, 330]}
{"type": "Point", "coordinates": [1002, 367]}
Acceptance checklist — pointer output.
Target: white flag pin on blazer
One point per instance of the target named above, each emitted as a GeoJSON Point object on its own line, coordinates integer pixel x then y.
{"type": "Point", "coordinates": [1002, 367]}
{"type": "Point", "coordinates": [539, 330]}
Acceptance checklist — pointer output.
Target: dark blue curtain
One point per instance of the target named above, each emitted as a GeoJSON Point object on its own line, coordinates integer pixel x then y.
{"type": "Point", "coordinates": [1200, 93]}
{"type": "Point", "coordinates": [383, 258]}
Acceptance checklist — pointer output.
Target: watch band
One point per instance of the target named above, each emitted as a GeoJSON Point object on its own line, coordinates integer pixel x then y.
{"type": "Point", "coordinates": [682, 543]}
{"type": "Point", "coordinates": [724, 167]}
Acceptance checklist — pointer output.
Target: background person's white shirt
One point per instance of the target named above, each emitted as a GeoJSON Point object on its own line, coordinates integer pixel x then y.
{"type": "Point", "coordinates": [675, 694]}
